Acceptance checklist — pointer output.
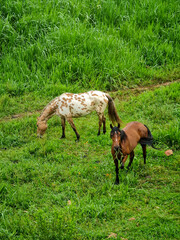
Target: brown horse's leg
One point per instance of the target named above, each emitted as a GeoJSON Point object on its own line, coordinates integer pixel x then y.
{"type": "Point", "coordinates": [63, 126]}
{"type": "Point", "coordinates": [131, 159]}
{"type": "Point", "coordinates": [117, 171]}
{"type": "Point", "coordinates": [123, 161]}
{"type": "Point", "coordinates": [144, 152]}
{"type": "Point", "coordinates": [104, 124]}
{"type": "Point", "coordinates": [70, 121]}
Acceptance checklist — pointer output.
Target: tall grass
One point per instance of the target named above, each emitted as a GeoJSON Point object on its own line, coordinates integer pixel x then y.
{"type": "Point", "coordinates": [47, 46]}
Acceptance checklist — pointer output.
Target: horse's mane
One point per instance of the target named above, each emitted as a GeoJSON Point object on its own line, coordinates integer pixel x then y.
{"type": "Point", "coordinates": [123, 135]}
{"type": "Point", "coordinates": [47, 106]}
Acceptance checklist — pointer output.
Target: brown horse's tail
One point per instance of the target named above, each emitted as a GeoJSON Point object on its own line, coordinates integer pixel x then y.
{"type": "Point", "coordinates": [112, 112]}
{"type": "Point", "coordinates": [149, 140]}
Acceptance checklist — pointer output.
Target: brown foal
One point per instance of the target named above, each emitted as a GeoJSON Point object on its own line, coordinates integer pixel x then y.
{"type": "Point", "coordinates": [125, 141]}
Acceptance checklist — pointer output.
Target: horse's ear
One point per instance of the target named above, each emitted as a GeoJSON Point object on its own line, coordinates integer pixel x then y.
{"type": "Point", "coordinates": [118, 125]}
{"type": "Point", "coordinates": [111, 126]}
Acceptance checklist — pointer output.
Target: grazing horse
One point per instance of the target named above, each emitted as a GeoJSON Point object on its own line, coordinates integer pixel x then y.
{"type": "Point", "coordinates": [125, 141]}
{"type": "Point", "coordinates": [69, 105]}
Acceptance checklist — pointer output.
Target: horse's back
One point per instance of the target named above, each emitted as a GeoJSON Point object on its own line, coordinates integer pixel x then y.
{"type": "Point", "coordinates": [135, 125]}
{"type": "Point", "coordinates": [99, 99]}
{"type": "Point", "coordinates": [86, 95]}
{"type": "Point", "coordinates": [136, 130]}
{"type": "Point", "coordinates": [81, 104]}
{"type": "Point", "coordinates": [97, 94]}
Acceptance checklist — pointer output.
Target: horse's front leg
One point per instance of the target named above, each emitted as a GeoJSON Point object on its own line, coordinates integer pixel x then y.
{"type": "Point", "coordinates": [117, 171]}
{"type": "Point", "coordinates": [123, 161]}
{"type": "Point", "coordinates": [63, 120]}
{"type": "Point", "coordinates": [70, 121]}
{"type": "Point", "coordinates": [116, 157]}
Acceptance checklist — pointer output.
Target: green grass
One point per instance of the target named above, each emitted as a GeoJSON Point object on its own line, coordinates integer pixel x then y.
{"type": "Point", "coordinates": [49, 46]}
{"type": "Point", "coordinates": [60, 189]}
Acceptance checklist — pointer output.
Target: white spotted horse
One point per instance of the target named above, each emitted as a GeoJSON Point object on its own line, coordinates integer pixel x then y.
{"type": "Point", "coordinates": [69, 105]}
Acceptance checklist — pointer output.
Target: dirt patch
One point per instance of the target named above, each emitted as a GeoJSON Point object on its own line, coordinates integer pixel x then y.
{"type": "Point", "coordinates": [19, 115]}
{"type": "Point", "coordinates": [126, 93]}
{"type": "Point", "coordinates": [153, 86]}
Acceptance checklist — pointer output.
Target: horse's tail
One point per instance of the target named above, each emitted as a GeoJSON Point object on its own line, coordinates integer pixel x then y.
{"type": "Point", "coordinates": [149, 140]}
{"type": "Point", "coordinates": [112, 112]}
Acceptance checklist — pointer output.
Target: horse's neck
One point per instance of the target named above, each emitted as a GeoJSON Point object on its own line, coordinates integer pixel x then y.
{"type": "Point", "coordinates": [49, 111]}
{"type": "Point", "coordinates": [45, 116]}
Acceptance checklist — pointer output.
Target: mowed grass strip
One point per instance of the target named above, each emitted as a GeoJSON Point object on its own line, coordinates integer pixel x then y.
{"type": "Point", "coordinates": [60, 189]}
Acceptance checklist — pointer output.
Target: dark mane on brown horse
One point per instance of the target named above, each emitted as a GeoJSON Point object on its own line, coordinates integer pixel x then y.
{"type": "Point", "coordinates": [123, 135]}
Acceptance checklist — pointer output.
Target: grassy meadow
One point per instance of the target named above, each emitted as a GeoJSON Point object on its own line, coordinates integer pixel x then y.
{"type": "Point", "coordinates": [59, 189]}
{"type": "Point", "coordinates": [52, 188]}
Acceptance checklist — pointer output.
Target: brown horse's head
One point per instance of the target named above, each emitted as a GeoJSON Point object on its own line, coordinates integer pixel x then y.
{"type": "Point", "coordinates": [41, 128]}
{"type": "Point", "coordinates": [116, 137]}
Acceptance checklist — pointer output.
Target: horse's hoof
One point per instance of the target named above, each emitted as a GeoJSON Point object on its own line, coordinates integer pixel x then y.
{"type": "Point", "coordinates": [128, 167]}
{"type": "Point", "coordinates": [122, 167]}
{"type": "Point", "coordinates": [62, 137]}
{"type": "Point", "coordinates": [116, 183]}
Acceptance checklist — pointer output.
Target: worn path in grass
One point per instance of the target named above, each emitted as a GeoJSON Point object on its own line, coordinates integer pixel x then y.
{"type": "Point", "coordinates": [125, 93]}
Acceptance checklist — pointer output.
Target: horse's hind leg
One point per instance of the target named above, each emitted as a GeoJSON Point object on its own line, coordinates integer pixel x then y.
{"type": "Point", "coordinates": [70, 121]}
{"type": "Point", "coordinates": [104, 124]}
{"type": "Point", "coordinates": [144, 152]}
{"type": "Point", "coordinates": [63, 120]}
{"type": "Point", "coordinates": [100, 123]}
{"type": "Point", "coordinates": [131, 159]}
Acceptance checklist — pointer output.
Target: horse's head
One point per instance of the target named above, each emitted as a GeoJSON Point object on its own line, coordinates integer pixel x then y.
{"type": "Point", "coordinates": [41, 127]}
{"type": "Point", "coordinates": [116, 137]}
